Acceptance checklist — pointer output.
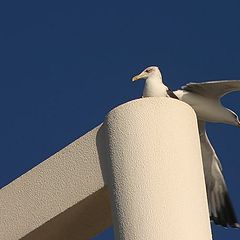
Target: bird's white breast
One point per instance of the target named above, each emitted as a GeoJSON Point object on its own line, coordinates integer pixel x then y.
{"type": "Point", "coordinates": [154, 88]}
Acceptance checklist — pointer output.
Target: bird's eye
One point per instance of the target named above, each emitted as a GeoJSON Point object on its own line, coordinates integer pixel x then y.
{"type": "Point", "coordinates": [148, 70]}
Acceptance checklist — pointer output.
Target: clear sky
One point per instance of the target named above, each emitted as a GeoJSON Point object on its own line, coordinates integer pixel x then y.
{"type": "Point", "coordinates": [65, 64]}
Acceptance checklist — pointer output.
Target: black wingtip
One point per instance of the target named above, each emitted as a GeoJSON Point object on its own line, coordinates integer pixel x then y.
{"type": "Point", "coordinates": [225, 215]}
{"type": "Point", "coordinates": [225, 225]}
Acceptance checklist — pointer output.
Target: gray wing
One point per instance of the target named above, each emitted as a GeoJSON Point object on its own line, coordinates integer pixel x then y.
{"type": "Point", "coordinates": [213, 89]}
{"type": "Point", "coordinates": [219, 203]}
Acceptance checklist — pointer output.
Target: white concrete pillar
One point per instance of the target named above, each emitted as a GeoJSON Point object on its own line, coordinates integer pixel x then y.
{"type": "Point", "coordinates": [155, 171]}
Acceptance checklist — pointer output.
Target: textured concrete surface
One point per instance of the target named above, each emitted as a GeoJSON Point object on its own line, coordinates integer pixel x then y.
{"type": "Point", "coordinates": [147, 151]}
{"type": "Point", "coordinates": [82, 221]}
{"type": "Point", "coordinates": [155, 171]}
{"type": "Point", "coordinates": [47, 190]}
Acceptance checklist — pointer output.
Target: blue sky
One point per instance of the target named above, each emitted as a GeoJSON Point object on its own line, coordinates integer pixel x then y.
{"type": "Point", "coordinates": [65, 64]}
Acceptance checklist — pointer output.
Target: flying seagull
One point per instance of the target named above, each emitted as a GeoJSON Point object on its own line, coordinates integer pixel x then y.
{"type": "Point", "coordinates": [204, 98]}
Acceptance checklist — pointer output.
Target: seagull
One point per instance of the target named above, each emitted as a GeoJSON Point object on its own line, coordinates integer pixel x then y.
{"type": "Point", "coordinates": [204, 99]}
{"type": "Point", "coordinates": [154, 86]}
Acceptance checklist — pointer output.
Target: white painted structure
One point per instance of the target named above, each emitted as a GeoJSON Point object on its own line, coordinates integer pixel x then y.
{"type": "Point", "coordinates": [147, 152]}
{"type": "Point", "coordinates": [59, 185]}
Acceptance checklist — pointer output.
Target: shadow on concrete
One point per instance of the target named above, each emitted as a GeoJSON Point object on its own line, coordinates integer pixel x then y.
{"type": "Point", "coordinates": [88, 217]}
{"type": "Point", "coordinates": [80, 222]}
{"type": "Point", "coordinates": [102, 146]}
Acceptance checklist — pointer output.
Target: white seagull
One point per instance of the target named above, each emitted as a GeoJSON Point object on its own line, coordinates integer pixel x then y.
{"type": "Point", "coordinates": [204, 98]}
{"type": "Point", "coordinates": [154, 86]}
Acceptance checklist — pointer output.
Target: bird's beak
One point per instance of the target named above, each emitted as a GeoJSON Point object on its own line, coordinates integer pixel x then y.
{"type": "Point", "coordinates": [139, 76]}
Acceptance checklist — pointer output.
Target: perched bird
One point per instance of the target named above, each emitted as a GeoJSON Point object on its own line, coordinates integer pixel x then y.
{"type": "Point", "coordinates": [154, 86]}
{"type": "Point", "coordinates": [204, 99]}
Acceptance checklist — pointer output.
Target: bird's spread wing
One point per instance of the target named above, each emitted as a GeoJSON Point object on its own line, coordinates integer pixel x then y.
{"type": "Point", "coordinates": [220, 206]}
{"type": "Point", "coordinates": [213, 89]}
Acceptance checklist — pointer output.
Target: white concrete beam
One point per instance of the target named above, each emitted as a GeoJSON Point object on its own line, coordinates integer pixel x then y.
{"type": "Point", "coordinates": [82, 221]}
{"type": "Point", "coordinates": [57, 184]}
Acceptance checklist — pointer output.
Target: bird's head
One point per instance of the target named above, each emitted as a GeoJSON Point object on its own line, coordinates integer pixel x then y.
{"type": "Point", "coordinates": [152, 71]}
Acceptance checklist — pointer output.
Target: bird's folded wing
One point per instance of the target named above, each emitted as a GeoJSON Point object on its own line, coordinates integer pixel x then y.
{"type": "Point", "coordinates": [171, 94]}
{"type": "Point", "coordinates": [213, 89]}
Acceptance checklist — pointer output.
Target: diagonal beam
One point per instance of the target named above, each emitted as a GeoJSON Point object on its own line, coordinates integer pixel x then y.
{"type": "Point", "coordinates": [82, 221]}
{"type": "Point", "coordinates": [51, 188]}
